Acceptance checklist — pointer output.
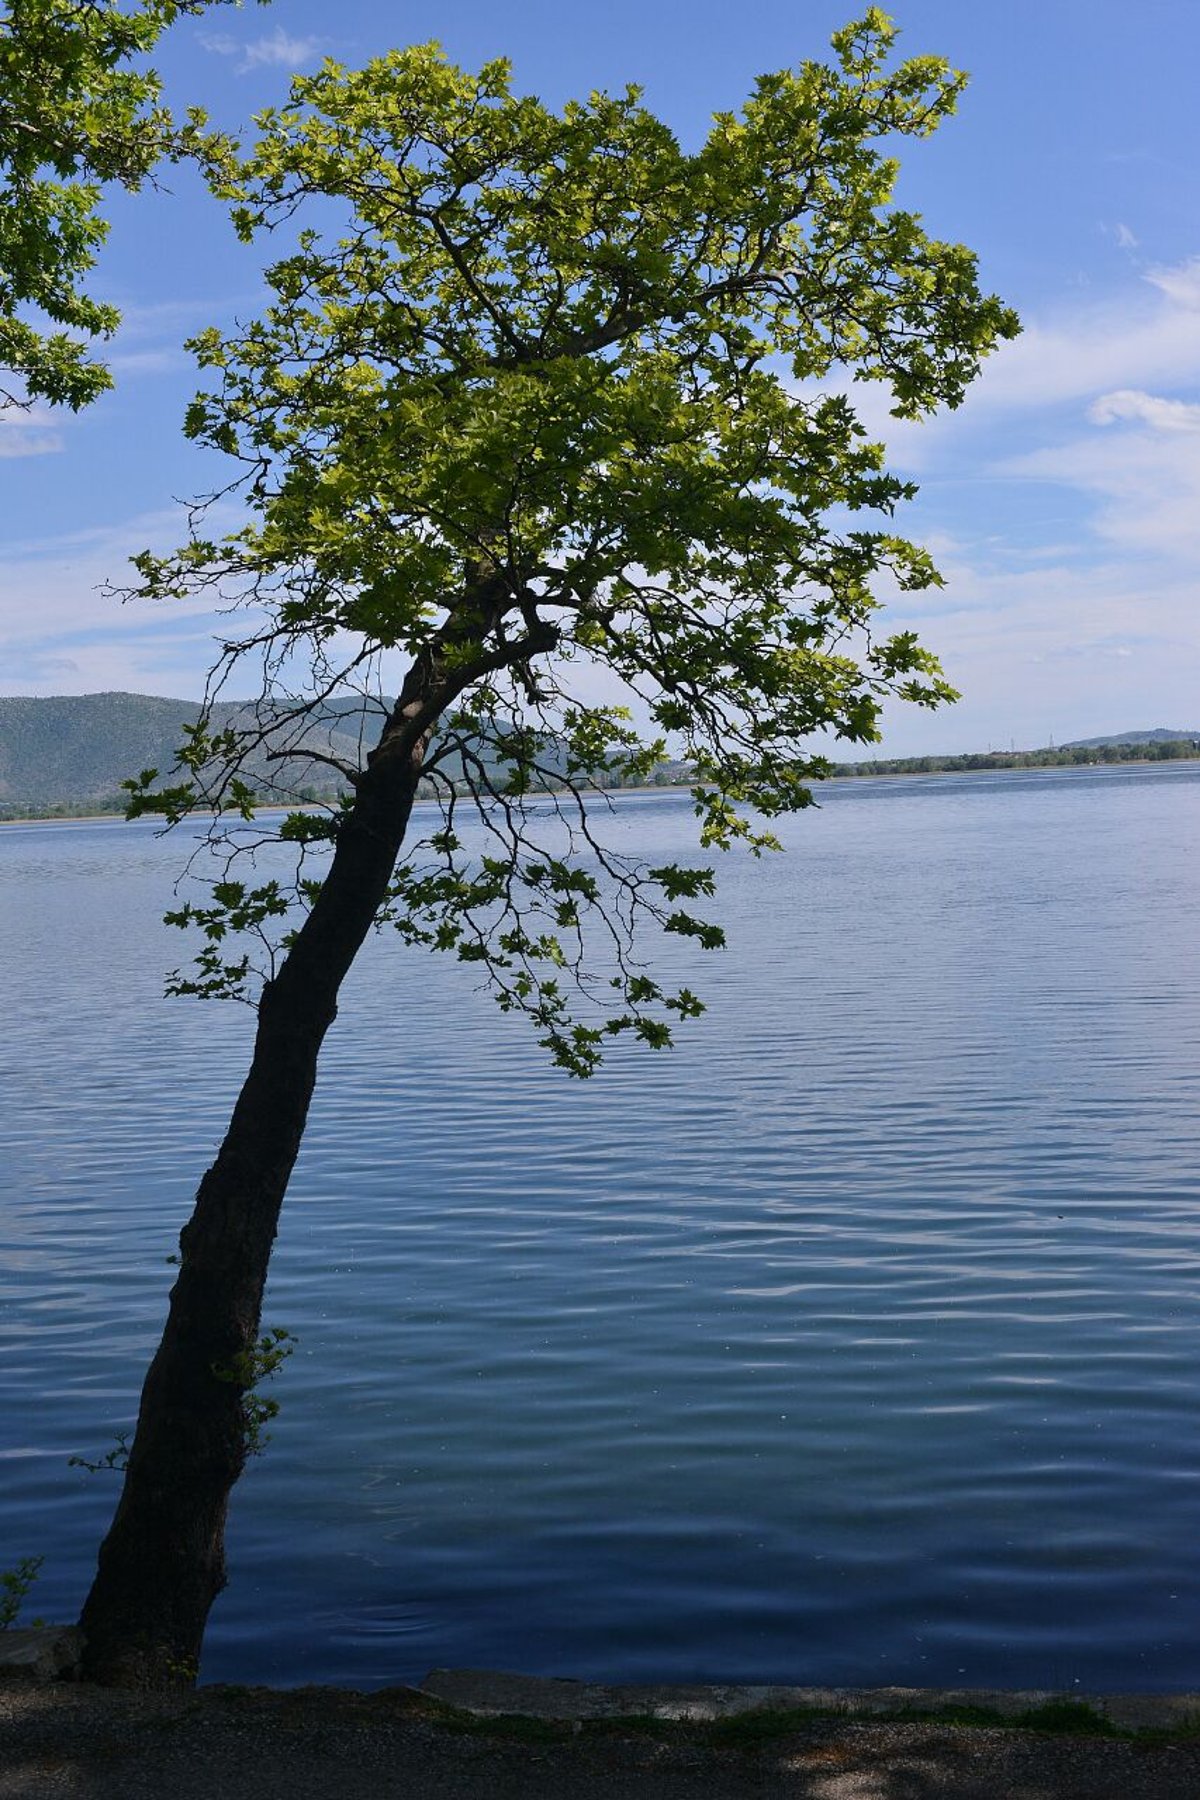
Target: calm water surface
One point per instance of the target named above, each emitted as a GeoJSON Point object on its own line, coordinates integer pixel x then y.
{"type": "Point", "coordinates": [857, 1340]}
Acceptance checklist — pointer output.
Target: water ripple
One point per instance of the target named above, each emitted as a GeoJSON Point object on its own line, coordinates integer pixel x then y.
{"type": "Point", "coordinates": [855, 1341]}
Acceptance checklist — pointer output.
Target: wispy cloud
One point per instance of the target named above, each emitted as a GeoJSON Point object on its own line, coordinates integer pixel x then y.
{"type": "Point", "coordinates": [1036, 388]}
{"type": "Point", "coordinates": [1140, 473]}
{"type": "Point", "coordinates": [1147, 339]}
{"type": "Point", "coordinates": [126, 364]}
{"type": "Point", "coordinates": [1128, 404]}
{"type": "Point", "coordinates": [1180, 284]}
{"type": "Point", "coordinates": [140, 661]}
{"type": "Point", "coordinates": [1057, 652]}
{"type": "Point", "coordinates": [57, 586]}
{"type": "Point", "coordinates": [1083, 614]}
{"type": "Point", "coordinates": [176, 319]}
{"type": "Point", "coordinates": [1151, 335]}
{"type": "Point", "coordinates": [276, 49]}
{"type": "Point", "coordinates": [150, 339]}
{"type": "Point", "coordinates": [28, 432]}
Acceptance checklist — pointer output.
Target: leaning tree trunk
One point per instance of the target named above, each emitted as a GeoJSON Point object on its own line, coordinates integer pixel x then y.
{"type": "Point", "coordinates": [163, 1563]}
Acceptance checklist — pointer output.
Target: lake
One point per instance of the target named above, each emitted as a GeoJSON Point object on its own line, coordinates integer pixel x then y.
{"type": "Point", "coordinates": [857, 1340]}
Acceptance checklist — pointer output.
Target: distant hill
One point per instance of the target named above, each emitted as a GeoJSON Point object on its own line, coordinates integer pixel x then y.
{"type": "Point", "coordinates": [69, 755]}
{"type": "Point", "coordinates": [1161, 734]}
{"type": "Point", "coordinates": [72, 754]}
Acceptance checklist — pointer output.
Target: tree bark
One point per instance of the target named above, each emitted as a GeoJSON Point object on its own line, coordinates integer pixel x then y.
{"type": "Point", "coordinates": [163, 1562]}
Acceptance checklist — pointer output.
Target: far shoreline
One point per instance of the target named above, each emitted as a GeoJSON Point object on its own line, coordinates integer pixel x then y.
{"type": "Point", "coordinates": [683, 787]}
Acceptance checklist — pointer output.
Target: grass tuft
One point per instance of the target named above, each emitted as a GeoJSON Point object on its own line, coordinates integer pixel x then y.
{"type": "Point", "coordinates": [1068, 1716]}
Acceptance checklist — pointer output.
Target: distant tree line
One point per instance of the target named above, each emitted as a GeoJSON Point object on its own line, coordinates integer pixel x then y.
{"type": "Point", "coordinates": [113, 805]}
{"type": "Point", "coordinates": [1066, 756]}
{"type": "Point", "coordinates": [12, 811]}
{"type": "Point", "coordinates": [678, 774]}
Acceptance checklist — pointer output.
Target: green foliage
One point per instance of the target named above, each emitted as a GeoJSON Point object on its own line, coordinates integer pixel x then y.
{"type": "Point", "coordinates": [1061, 1716]}
{"type": "Point", "coordinates": [1066, 1715]}
{"type": "Point", "coordinates": [541, 396]}
{"type": "Point", "coordinates": [308, 828]}
{"type": "Point", "coordinates": [236, 910]}
{"type": "Point", "coordinates": [78, 108]}
{"type": "Point", "coordinates": [14, 1586]}
{"type": "Point", "coordinates": [258, 1364]}
{"type": "Point", "coordinates": [115, 1460]}
{"type": "Point", "coordinates": [143, 796]}
{"type": "Point", "coordinates": [761, 1727]}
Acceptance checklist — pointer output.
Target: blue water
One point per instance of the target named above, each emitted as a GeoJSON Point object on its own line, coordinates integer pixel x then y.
{"type": "Point", "coordinates": [856, 1340]}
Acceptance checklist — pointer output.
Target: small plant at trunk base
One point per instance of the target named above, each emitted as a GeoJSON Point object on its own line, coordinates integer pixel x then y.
{"type": "Point", "coordinates": [246, 1371]}
{"type": "Point", "coordinates": [548, 469]}
{"type": "Point", "coordinates": [14, 1586]}
{"type": "Point", "coordinates": [117, 1458]}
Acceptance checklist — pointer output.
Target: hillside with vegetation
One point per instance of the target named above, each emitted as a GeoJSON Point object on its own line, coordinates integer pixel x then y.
{"type": "Point", "coordinates": [68, 756]}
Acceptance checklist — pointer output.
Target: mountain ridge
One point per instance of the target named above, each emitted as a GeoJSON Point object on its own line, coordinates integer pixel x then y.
{"type": "Point", "coordinates": [69, 753]}
{"type": "Point", "coordinates": [76, 750]}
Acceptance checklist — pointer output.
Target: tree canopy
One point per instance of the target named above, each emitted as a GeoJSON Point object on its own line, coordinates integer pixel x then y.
{"type": "Point", "coordinates": [546, 425]}
{"type": "Point", "coordinates": [545, 394]}
{"type": "Point", "coordinates": [78, 108]}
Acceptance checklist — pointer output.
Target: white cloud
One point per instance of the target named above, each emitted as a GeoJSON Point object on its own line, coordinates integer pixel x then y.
{"type": "Point", "coordinates": [28, 431]}
{"type": "Point", "coordinates": [126, 364]}
{"type": "Point", "coordinates": [63, 631]}
{"type": "Point", "coordinates": [1082, 351]}
{"type": "Point", "coordinates": [1056, 652]}
{"type": "Point", "coordinates": [1137, 343]}
{"type": "Point", "coordinates": [1143, 478]}
{"type": "Point", "coordinates": [1181, 284]}
{"type": "Point", "coordinates": [150, 339]}
{"type": "Point", "coordinates": [53, 587]}
{"type": "Point", "coordinates": [129, 661]}
{"type": "Point", "coordinates": [1150, 338]}
{"type": "Point", "coordinates": [173, 320]}
{"type": "Point", "coordinates": [1146, 409]}
{"type": "Point", "coordinates": [163, 318]}
{"type": "Point", "coordinates": [276, 49]}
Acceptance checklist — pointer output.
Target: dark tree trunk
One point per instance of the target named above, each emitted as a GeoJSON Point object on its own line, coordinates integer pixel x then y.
{"type": "Point", "coordinates": [163, 1563]}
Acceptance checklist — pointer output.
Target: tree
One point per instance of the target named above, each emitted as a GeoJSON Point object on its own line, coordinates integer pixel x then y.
{"type": "Point", "coordinates": [75, 112]}
{"type": "Point", "coordinates": [537, 395]}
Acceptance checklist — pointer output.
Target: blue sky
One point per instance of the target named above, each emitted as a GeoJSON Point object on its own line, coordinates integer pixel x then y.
{"type": "Point", "coordinates": [1062, 501]}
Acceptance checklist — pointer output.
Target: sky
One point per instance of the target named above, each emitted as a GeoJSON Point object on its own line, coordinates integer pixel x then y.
{"type": "Point", "coordinates": [1062, 501]}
